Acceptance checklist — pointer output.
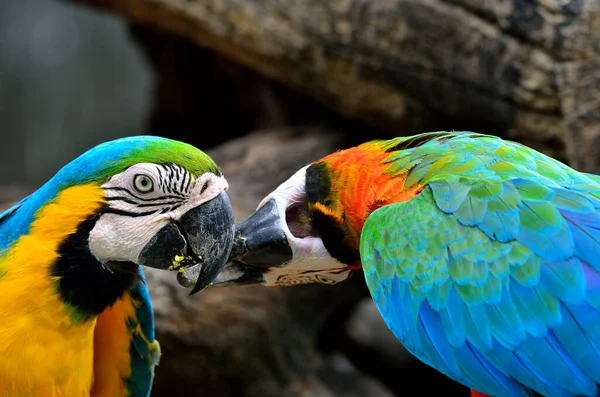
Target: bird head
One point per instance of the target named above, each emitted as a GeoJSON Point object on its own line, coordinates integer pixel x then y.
{"type": "Point", "coordinates": [147, 201]}
{"type": "Point", "coordinates": [308, 229]}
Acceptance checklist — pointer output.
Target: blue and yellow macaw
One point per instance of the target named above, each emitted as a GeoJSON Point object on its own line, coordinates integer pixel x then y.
{"type": "Point", "coordinates": [482, 255]}
{"type": "Point", "coordinates": [75, 314]}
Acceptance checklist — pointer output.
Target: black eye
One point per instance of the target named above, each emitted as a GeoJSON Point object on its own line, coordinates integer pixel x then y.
{"type": "Point", "coordinates": [143, 183]}
{"type": "Point", "coordinates": [324, 280]}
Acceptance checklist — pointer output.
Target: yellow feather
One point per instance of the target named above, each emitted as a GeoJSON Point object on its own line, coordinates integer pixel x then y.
{"type": "Point", "coordinates": [42, 353]}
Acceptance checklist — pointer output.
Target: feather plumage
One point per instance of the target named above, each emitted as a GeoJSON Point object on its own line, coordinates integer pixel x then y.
{"type": "Point", "coordinates": [491, 273]}
{"type": "Point", "coordinates": [113, 354]}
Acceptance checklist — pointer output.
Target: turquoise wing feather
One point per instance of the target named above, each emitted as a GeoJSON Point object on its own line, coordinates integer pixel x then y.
{"type": "Point", "coordinates": [492, 273]}
{"type": "Point", "coordinates": [9, 211]}
{"type": "Point", "coordinates": [144, 350]}
{"type": "Point", "coordinates": [7, 233]}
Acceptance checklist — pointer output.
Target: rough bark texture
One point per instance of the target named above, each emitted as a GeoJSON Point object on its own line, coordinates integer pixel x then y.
{"type": "Point", "coordinates": [527, 69]}
{"type": "Point", "coordinates": [206, 99]}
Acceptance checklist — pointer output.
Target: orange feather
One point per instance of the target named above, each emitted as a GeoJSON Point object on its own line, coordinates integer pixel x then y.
{"type": "Point", "coordinates": [112, 338]}
{"type": "Point", "coordinates": [475, 393]}
{"type": "Point", "coordinates": [360, 185]}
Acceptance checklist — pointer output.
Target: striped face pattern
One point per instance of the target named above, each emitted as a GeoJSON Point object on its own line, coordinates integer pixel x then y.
{"type": "Point", "coordinates": [143, 199]}
{"type": "Point", "coordinates": [146, 189]}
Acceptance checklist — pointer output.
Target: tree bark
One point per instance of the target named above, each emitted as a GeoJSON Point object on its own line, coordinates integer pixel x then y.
{"type": "Point", "coordinates": [527, 70]}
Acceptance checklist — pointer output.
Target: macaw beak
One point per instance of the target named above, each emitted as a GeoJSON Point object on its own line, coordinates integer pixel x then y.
{"type": "Point", "coordinates": [203, 236]}
{"type": "Point", "coordinates": [260, 240]}
{"type": "Point", "coordinates": [233, 273]}
{"type": "Point", "coordinates": [260, 243]}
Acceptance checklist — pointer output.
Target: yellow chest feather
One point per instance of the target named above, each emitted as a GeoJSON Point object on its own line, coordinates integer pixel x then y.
{"type": "Point", "coordinates": [42, 352]}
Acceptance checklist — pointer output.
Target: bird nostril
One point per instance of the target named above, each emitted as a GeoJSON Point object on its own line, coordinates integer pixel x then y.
{"type": "Point", "coordinates": [204, 187]}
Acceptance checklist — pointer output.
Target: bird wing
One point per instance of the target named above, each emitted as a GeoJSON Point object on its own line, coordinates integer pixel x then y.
{"type": "Point", "coordinates": [495, 284]}
{"type": "Point", "coordinates": [125, 351]}
{"type": "Point", "coordinates": [9, 211]}
{"type": "Point", "coordinates": [145, 349]}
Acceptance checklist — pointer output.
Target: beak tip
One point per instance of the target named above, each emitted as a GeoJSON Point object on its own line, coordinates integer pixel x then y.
{"type": "Point", "coordinates": [195, 290]}
{"type": "Point", "coordinates": [212, 238]}
{"type": "Point", "coordinates": [203, 282]}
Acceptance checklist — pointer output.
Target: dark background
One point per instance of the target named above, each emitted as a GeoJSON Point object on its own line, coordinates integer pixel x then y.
{"type": "Point", "coordinates": [70, 78]}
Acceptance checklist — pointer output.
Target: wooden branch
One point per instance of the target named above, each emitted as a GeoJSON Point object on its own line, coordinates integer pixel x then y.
{"type": "Point", "coordinates": [525, 69]}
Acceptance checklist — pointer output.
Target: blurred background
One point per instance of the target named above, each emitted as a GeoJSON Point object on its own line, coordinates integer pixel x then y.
{"type": "Point", "coordinates": [265, 87]}
{"type": "Point", "coordinates": [70, 78]}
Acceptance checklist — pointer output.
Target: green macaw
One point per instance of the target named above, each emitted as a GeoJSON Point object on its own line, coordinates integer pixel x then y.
{"type": "Point", "coordinates": [482, 255]}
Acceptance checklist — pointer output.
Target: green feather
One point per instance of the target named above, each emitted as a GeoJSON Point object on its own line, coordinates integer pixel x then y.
{"type": "Point", "coordinates": [486, 243]}
{"type": "Point", "coordinates": [159, 151]}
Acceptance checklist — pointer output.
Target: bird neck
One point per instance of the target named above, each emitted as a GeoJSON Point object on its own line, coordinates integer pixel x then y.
{"type": "Point", "coordinates": [344, 188]}
{"type": "Point", "coordinates": [86, 285]}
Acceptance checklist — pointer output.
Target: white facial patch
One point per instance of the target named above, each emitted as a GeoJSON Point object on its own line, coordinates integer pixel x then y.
{"type": "Point", "coordinates": [310, 258]}
{"type": "Point", "coordinates": [286, 278]}
{"type": "Point", "coordinates": [135, 213]}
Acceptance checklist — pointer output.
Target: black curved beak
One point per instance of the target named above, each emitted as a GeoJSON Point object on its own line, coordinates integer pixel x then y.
{"type": "Point", "coordinates": [260, 243]}
{"type": "Point", "coordinates": [234, 273]}
{"type": "Point", "coordinates": [204, 235]}
{"type": "Point", "coordinates": [260, 239]}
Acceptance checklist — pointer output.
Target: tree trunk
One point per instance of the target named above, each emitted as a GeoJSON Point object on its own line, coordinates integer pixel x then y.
{"type": "Point", "coordinates": [527, 70]}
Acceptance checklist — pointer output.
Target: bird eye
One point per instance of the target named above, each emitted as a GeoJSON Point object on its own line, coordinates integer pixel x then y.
{"type": "Point", "coordinates": [143, 183]}
{"type": "Point", "coordinates": [324, 280]}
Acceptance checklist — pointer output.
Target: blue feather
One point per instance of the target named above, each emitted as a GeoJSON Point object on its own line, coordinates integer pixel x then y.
{"type": "Point", "coordinates": [501, 226]}
{"type": "Point", "coordinates": [585, 231]}
{"type": "Point", "coordinates": [564, 279]}
{"type": "Point", "coordinates": [452, 317]}
{"type": "Point", "coordinates": [517, 369]}
{"type": "Point", "coordinates": [483, 376]}
{"type": "Point", "coordinates": [477, 327]}
{"type": "Point", "coordinates": [592, 282]}
{"type": "Point", "coordinates": [436, 344]}
{"type": "Point", "coordinates": [580, 337]}
{"type": "Point", "coordinates": [530, 310]}
{"type": "Point", "coordinates": [550, 360]}
{"type": "Point", "coordinates": [400, 300]}
{"type": "Point", "coordinates": [565, 199]}
{"type": "Point", "coordinates": [449, 196]}
{"type": "Point", "coordinates": [518, 307]}
{"type": "Point", "coordinates": [558, 247]}
{"type": "Point", "coordinates": [144, 356]}
{"type": "Point", "coordinates": [8, 212]}
{"type": "Point", "coordinates": [505, 323]}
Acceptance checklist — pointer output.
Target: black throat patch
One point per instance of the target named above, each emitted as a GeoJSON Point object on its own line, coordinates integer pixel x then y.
{"type": "Point", "coordinates": [85, 284]}
{"type": "Point", "coordinates": [334, 239]}
{"type": "Point", "coordinates": [331, 232]}
{"type": "Point", "coordinates": [318, 183]}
